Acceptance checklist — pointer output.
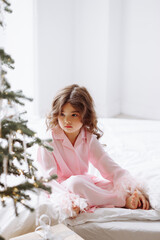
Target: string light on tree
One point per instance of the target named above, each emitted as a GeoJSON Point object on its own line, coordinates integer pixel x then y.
{"type": "Point", "coordinates": [15, 139]}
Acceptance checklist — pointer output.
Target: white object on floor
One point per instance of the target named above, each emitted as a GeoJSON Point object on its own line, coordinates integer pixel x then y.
{"type": "Point", "coordinates": [59, 231]}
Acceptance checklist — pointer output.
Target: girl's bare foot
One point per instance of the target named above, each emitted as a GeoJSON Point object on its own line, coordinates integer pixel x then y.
{"type": "Point", "coordinates": [76, 210]}
{"type": "Point", "coordinates": [133, 202]}
{"type": "Point", "coordinates": [137, 200]}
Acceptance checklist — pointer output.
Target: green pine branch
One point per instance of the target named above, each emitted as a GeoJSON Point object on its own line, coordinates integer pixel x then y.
{"type": "Point", "coordinates": [5, 83]}
{"type": "Point", "coordinates": [1, 238]}
{"type": "Point", "coordinates": [14, 96]}
{"type": "Point", "coordinates": [6, 59]}
{"type": "Point", "coordinates": [19, 162]}
{"type": "Point", "coordinates": [9, 126]}
{"type": "Point", "coordinates": [17, 193]}
{"type": "Point", "coordinates": [6, 8]}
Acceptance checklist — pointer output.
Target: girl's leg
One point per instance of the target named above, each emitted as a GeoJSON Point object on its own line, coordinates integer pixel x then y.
{"type": "Point", "coordinates": [95, 196]}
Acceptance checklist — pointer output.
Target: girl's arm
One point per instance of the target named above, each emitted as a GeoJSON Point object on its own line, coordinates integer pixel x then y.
{"type": "Point", "coordinates": [109, 169]}
{"type": "Point", "coordinates": [46, 162]}
{"type": "Point", "coordinates": [48, 167]}
{"type": "Point", "coordinates": [124, 184]}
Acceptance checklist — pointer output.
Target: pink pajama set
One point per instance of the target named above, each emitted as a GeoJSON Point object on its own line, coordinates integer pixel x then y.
{"type": "Point", "coordinates": [71, 164]}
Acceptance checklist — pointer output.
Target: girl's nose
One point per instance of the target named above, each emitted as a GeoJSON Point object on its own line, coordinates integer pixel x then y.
{"type": "Point", "coordinates": [67, 120]}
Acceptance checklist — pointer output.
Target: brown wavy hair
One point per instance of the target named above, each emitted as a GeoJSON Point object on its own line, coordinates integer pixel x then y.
{"type": "Point", "coordinates": [82, 101]}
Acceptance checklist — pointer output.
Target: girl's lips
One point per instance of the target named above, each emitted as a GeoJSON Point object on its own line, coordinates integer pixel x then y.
{"type": "Point", "coordinates": [68, 126]}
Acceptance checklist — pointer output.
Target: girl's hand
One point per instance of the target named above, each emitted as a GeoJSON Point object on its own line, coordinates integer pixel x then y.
{"type": "Point", "coordinates": [143, 202]}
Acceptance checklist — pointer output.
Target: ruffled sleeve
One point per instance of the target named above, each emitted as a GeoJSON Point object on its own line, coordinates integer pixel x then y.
{"type": "Point", "coordinates": [122, 180]}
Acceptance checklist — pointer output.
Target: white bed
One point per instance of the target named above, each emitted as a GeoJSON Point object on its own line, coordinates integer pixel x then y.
{"type": "Point", "coordinates": [119, 230]}
{"type": "Point", "coordinates": [135, 145]}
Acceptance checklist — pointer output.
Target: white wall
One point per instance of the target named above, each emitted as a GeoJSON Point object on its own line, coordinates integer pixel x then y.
{"type": "Point", "coordinates": [110, 46]}
{"type": "Point", "coordinates": [55, 48]}
{"type": "Point", "coordinates": [141, 56]}
{"type": "Point", "coordinates": [90, 49]}
{"type": "Point", "coordinates": [75, 45]}
{"type": "Point", "coordinates": [115, 52]}
{"type": "Point", "coordinates": [18, 41]}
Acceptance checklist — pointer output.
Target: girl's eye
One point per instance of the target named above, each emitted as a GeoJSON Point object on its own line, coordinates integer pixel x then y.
{"type": "Point", "coordinates": [62, 114]}
{"type": "Point", "coordinates": [74, 115]}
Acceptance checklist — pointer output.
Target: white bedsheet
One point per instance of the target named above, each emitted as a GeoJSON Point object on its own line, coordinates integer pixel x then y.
{"type": "Point", "coordinates": [119, 230]}
{"type": "Point", "coordinates": [117, 223]}
{"type": "Point", "coordinates": [114, 214]}
{"type": "Point", "coordinates": [135, 145]}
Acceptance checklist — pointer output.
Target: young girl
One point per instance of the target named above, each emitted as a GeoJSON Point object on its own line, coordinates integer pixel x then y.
{"type": "Point", "coordinates": [75, 134]}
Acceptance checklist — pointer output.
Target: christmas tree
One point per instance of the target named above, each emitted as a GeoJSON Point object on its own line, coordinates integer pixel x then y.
{"type": "Point", "coordinates": [16, 139]}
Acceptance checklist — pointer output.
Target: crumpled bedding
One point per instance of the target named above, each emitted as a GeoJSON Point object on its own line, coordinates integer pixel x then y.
{"type": "Point", "coordinates": [114, 214]}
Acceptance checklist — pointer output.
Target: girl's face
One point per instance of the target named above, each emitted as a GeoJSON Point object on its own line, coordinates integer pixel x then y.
{"type": "Point", "coordinates": [70, 120]}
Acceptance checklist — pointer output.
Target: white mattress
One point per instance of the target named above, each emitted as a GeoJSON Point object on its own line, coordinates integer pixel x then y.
{"type": "Point", "coordinates": [135, 145]}
{"type": "Point", "coordinates": [119, 230]}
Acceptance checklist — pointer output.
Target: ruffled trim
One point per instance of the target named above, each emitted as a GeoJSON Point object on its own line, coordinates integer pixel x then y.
{"type": "Point", "coordinates": [126, 185]}
{"type": "Point", "coordinates": [63, 203]}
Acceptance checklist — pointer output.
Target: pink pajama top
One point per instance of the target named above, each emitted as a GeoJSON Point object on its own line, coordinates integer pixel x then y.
{"type": "Point", "coordinates": [67, 160]}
